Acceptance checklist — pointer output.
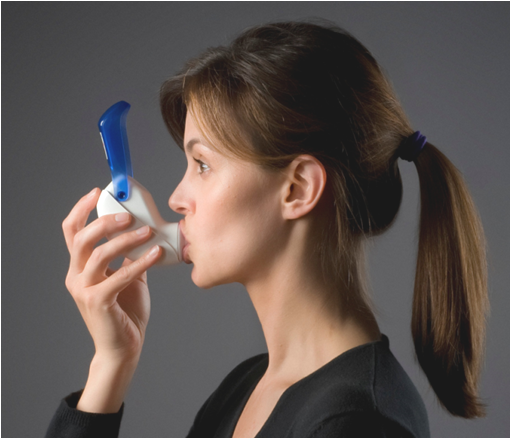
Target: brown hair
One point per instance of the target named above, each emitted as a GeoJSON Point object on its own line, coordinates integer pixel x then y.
{"type": "Point", "coordinates": [284, 89]}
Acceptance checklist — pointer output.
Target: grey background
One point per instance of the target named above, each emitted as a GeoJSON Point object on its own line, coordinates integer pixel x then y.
{"type": "Point", "coordinates": [65, 63]}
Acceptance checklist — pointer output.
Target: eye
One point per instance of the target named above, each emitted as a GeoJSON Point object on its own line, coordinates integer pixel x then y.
{"type": "Point", "coordinates": [201, 164]}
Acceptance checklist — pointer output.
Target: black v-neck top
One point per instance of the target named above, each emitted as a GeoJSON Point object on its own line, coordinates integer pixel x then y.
{"type": "Point", "coordinates": [364, 392]}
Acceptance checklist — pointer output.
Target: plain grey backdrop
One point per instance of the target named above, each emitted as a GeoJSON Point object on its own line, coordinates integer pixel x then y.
{"type": "Point", "coordinates": [65, 63]}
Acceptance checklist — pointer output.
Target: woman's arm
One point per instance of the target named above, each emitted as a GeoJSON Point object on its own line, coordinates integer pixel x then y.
{"type": "Point", "coordinates": [115, 306]}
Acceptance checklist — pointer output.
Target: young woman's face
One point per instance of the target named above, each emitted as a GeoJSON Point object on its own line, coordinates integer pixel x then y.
{"type": "Point", "coordinates": [232, 214]}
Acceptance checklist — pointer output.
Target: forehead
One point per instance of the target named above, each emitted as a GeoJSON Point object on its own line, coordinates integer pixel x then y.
{"type": "Point", "coordinates": [192, 135]}
{"type": "Point", "coordinates": [195, 140]}
{"type": "Point", "coordinates": [191, 128]}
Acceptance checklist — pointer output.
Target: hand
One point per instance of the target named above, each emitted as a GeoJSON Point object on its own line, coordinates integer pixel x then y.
{"type": "Point", "coordinates": [115, 305]}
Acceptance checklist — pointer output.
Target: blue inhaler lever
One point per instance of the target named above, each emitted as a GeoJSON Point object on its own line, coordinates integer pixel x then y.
{"type": "Point", "coordinates": [112, 127]}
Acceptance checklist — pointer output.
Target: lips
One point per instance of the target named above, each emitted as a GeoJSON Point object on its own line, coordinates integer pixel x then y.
{"type": "Point", "coordinates": [184, 244]}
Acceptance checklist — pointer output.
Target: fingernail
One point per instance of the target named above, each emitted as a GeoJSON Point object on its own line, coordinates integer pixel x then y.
{"type": "Point", "coordinates": [143, 230]}
{"type": "Point", "coordinates": [92, 193]}
{"type": "Point", "coordinates": [122, 216]}
{"type": "Point", "coordinates": [154, 250]}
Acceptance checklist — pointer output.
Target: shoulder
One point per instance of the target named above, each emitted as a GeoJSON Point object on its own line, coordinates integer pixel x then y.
{"type": "Point", "coordinates": [396, 397]}
{"type": "Point", "coordinates": [365, 388]}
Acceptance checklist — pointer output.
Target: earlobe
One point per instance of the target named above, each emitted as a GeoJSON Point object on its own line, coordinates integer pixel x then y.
{"type": "Point", "coordinates": [304, 186]}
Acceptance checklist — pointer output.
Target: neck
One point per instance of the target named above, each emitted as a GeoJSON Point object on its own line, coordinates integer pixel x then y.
{"type": "Point", "coordinates": [304, 321]}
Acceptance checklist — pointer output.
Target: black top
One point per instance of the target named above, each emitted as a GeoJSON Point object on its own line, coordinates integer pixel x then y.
{"type": "Point", "coordinates": [364, 392]}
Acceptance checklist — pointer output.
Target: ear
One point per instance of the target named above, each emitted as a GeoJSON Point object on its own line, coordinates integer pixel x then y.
{"type": "Point", "coordinates": [303, 187]}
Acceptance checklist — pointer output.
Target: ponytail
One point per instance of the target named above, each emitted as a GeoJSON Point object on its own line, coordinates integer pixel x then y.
{"type": "Point", "coordinates": [450, 301]}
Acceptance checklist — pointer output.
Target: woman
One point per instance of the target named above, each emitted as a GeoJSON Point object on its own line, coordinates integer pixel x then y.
{"type": "Point", "coordinates": [292, 135]}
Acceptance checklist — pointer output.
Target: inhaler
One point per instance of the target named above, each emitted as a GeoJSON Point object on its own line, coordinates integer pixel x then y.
{"type": "Point", "coordinates": [125, 194]}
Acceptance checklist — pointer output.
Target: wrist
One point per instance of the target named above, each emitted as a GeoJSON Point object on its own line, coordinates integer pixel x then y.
{"type": "Point", "coordinates": [113, 362]}
{"type": "Point", "coordinates": [107, 384]}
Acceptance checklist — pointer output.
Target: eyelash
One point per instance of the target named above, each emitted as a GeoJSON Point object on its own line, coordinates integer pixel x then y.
{"type": "Point", "coordinates": [200, 164]}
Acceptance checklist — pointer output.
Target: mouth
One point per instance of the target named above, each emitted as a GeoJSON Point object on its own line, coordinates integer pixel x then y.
{"type": "Point", "coordinates": [184, 244]}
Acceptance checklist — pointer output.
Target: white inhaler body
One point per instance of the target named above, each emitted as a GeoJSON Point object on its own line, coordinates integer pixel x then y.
{"type": "Point", "coordinates": [125, 194]}
{"type": "Point", "coordinates": [142, 208]}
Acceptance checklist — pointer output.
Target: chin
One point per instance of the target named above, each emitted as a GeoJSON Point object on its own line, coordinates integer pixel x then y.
{"type": "Point", "coordinates": [203, 282]}
{"type": "Point", "coordinates": [206, 281]}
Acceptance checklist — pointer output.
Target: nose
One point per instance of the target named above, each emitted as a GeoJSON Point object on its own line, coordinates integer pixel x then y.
{"type": "Point", "coordinates": [179, 202]}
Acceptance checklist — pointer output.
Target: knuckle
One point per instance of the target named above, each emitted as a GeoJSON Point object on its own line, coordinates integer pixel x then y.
{"type": "Point", "coordinates": [98, 254]}
{"type": "Point", "coordinates": [69, 284]}
{"type": "Point", "coordinates": [77, 294]}
{"type": "Point", "coordinates": [67, 225]}
{"type": "Point", "coordinates": [103, 222]}
{"type": "Point", "coordinates": [79, 238]}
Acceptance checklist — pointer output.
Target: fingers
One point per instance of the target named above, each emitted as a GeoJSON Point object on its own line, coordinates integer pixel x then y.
{"type": "Point", "coordinates": [127, 261]}
{"type": "Point", "coordinates": [92, 264]}
{"type": "Point", "coordinates": [125, 275]}
{"type": "Point", "coordinates": [97, 265]}
{"type": "Point", "coordinates": [78, 216]}
{"type": "Point", "coordinates": [85, 240]}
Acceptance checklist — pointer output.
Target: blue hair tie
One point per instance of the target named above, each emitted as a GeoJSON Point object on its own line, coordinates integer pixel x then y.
{"type": "Point", "coordinates": [412, 146]}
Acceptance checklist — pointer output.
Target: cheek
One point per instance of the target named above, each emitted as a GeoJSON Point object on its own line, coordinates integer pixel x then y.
{"type": "Point", "coordinates": [239, 226]}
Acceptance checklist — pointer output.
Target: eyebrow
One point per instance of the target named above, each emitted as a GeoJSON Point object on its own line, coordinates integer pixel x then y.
{"type": "Point", "coordinates": [191, 143]}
